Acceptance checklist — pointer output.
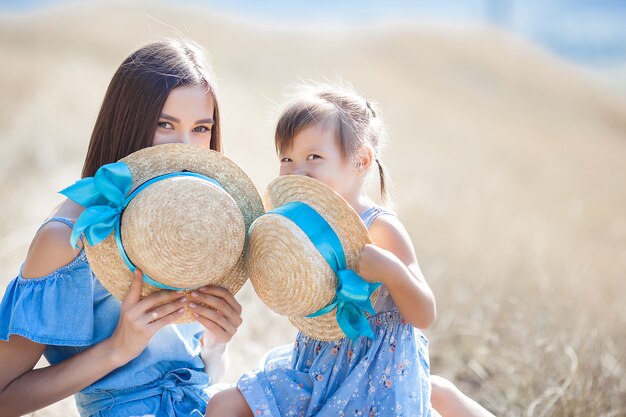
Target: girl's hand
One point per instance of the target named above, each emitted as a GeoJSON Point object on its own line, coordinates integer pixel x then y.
{"type": "Point", "coordinates": [140, 319]}
{"type": "Point", "coordinates": [219, 313]}
{"type": "Point", "coordinates": [375, 263]}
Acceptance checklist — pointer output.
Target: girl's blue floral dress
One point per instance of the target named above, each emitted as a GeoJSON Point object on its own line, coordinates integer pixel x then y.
{"type": "Point", "coordinates": [386, 376]}
{"type": "Point", "coordinates": [69, 311]}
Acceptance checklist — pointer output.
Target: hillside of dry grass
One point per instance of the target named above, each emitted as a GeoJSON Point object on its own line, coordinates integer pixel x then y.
{"type": "Point", "coordinates": [509, 169]}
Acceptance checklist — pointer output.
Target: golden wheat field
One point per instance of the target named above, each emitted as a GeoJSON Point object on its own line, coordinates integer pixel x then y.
{"type": "Point", "coordinates": [509, 170]}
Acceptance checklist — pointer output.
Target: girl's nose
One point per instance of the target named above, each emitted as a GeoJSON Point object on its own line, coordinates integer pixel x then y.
{"type": "Point", "coordinates": [297, 169]}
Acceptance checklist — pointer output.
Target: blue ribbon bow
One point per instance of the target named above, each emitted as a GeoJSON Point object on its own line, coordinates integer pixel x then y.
{"type": "Point", "coordinates": [103, 195]}
{"type": "Point", "coordinates": [352, 297]}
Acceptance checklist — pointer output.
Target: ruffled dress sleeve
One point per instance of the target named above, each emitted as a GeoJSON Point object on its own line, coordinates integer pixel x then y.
{"type": "Point", "coordinates": [57, 309]}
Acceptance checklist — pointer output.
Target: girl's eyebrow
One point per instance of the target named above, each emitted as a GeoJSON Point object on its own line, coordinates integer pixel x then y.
{"type": "Point", "coordinates": [208, 120]}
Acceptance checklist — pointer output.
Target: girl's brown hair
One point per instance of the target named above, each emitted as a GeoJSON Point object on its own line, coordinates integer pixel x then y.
{"type": "Point", "coordinates": [136, 94]}
{"type": "Point", "coordinates": [350, 116]}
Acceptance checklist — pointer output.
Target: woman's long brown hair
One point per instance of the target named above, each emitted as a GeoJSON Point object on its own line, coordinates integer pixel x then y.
{"type": "Point", "coordinates": [132, 104]}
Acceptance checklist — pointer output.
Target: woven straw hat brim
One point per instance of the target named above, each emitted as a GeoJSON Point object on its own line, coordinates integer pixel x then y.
{"type": "Point", "coordinates": [298, 287]}
{"type": "Point", "coordinates": [104, 258]}
{"type": "Point", "coordinates": [284, 263]}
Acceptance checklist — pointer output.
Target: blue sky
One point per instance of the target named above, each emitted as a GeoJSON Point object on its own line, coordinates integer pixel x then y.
{"type": "Point", "coordinates": [586, 32]}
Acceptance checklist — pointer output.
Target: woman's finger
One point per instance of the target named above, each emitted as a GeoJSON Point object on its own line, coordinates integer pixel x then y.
{"type": "Point", "coordinates": [164, 310]}
{"type": "Point", "coordinates": [134, 292]}
{"type": "Point", "coordinates": [170, 318]}
{"type": "Point", "coordinates": [160, 297]}
{"type": "Point", "coordinates": [222, 293]}
{"type": "Point", "coordinates": [219, 304]}
{"type": "Point", "coordinates": [220, 335]}
{"type": "Point", "coordinates": [214, 316]}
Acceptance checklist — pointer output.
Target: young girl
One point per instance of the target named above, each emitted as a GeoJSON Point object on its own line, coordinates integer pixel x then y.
{"type": "Point", "coordinates": [335, 136]}
{"type": "Point", "coordinates": [119, 359]}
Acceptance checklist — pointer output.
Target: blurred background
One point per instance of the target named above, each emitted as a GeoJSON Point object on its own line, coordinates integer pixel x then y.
{"type": "Point", "coordinates": [507, 127]}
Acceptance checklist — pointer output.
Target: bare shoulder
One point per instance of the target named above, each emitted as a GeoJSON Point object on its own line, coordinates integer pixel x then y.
{"type": "Point", "coordinates": [388, 229]}
{"type": "Point", "coordinates": [388, 232]}
{"type": "Point", "coordinates": [49, 250]}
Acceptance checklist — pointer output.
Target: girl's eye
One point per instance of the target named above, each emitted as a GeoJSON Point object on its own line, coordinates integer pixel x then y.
{"type": "Point", "coordinates": [312, 157]}
{"type": "Point", "coordinates": [202, 129]}
{"type": "Point", "coordinates": [285, 159]}
{"type": "Point", "coordinates": [165, 125]}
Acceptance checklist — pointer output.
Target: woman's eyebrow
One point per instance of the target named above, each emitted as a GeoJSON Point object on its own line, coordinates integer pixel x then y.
{"type": "Point", "coordinates": [208, 120]}
{"type": "Point", "coordinates": [170, 118]}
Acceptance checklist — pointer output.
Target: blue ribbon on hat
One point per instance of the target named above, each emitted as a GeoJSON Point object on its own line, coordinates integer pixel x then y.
{"type": "Point", "coordinates": [104, 197]}
{"type": "Point", "coordinates": [352, 296]}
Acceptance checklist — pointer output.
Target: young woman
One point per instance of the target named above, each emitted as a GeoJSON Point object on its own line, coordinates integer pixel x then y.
{"type": "Point", "coordinates": [118, 358]}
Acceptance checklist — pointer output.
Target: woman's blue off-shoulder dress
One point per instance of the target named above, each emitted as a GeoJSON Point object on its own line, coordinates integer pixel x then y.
{"type": "Point", "coordinates": [69, 311]}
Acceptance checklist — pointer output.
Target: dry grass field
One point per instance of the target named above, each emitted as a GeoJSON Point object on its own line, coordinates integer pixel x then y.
{"type": "Point", "coordinates": [509, 168]}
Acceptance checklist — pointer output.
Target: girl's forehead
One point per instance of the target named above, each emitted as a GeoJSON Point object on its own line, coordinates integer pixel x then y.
{"type": "Point", "coordinates": [313, 137]}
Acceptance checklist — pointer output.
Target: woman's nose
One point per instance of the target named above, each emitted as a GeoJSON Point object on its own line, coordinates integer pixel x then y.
{"type": "Point", "coordinates": [184, 138]}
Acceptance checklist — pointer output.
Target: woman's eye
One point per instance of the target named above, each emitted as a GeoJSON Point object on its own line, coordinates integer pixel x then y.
{"type": "Point", "coordinates": [202, 129]}
{"type": "Point", "coordinates": [312, 157]}
{"type": "Point", "coordinates": [165, 125]}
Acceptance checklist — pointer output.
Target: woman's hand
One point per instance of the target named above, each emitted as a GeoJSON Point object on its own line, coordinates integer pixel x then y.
{"type": "Point", "coordinates": [218, 311]}
{"type": "Point", "coordinates": [140, 319]}
{"type": "Point", "coordinates": [220, 314]}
